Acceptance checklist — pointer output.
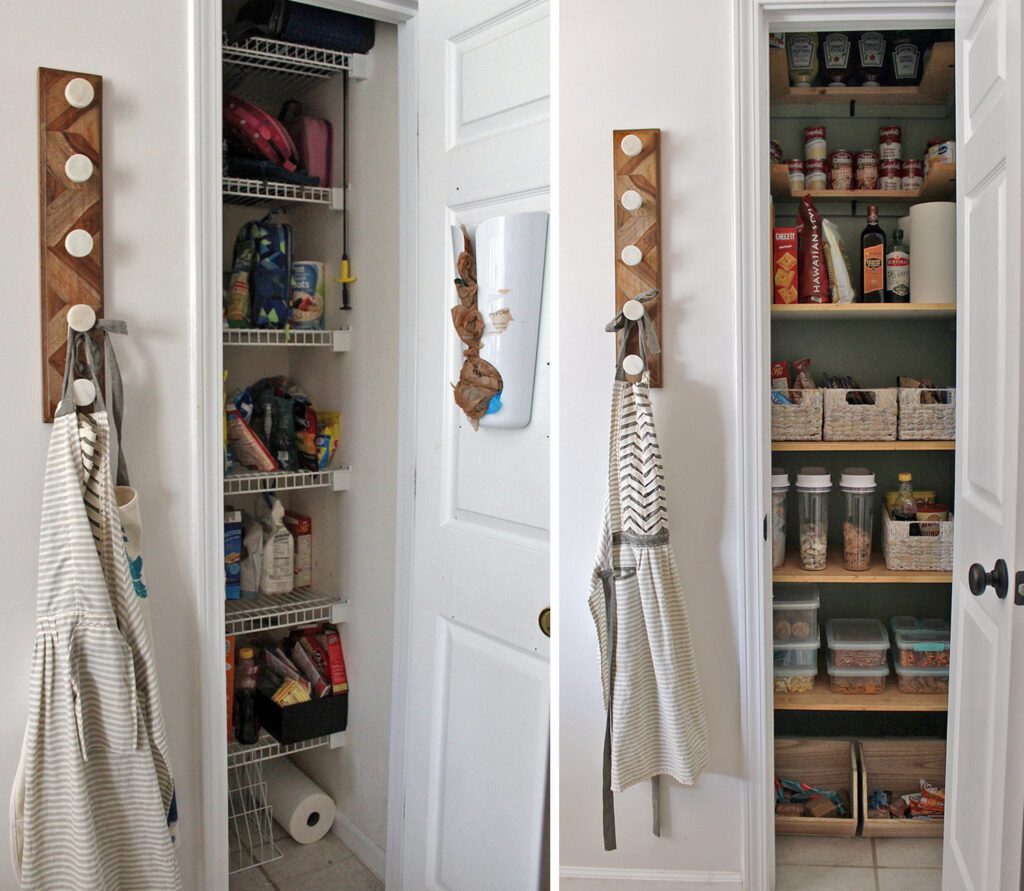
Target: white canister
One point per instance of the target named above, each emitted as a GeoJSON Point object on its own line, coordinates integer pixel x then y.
{"type": "Point", "coordinates": [933, 270]}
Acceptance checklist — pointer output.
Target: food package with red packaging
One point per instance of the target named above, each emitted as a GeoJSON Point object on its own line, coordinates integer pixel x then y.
{"type": "Point", "coordinates": [813, 278]}
{"type": "Point", "coordinates": [786, 265]}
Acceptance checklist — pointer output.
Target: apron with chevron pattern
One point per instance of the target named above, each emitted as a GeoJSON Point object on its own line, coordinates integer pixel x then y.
{"type": "Point", "coordinates": [93, 801]}
{"type": "Point", "coordinates": [655, 712]}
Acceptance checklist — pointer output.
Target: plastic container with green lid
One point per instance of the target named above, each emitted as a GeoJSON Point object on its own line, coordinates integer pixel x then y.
{"type": "Point", "coordinates": [857, 643]}
{"type": "Point", "coordinates": [795, 613]}
{"type": "Point", "coordinates": [921, 647]}
{"type": "Point", "coordinates": [911, 679]}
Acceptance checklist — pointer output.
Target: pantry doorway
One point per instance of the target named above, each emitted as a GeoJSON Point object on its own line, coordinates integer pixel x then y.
{"type": "Point", "coordinates": [984, 783]}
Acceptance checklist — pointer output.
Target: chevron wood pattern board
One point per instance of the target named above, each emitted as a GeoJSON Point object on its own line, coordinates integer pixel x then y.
{"type": "Point", "coordinates": [66, 205]}
{"type": "Point", "coordinates": [638, 173]}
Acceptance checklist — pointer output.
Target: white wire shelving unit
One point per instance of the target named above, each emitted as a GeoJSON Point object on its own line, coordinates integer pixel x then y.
{"type": "Point", "coordinates": [267, 747]}
{"type": "Point", "coordinates": [257, 192]}
{"type": "Point", "coordinates": [263, 66]}
{"type": "Point", "coordinates": [268, 611]}
{"type": "Point", "coordinates": [338, 340]}
{"type": "Point", "coordinates": [254, 482]}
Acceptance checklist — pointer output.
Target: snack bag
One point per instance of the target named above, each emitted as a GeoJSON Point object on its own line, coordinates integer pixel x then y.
{"type": "Point", "coordinates": [328, 430]}
{"type": "Point", "coordinates": [838, 265]}
{"type": "Point", "coordinates": [813, 278]}
{"type": "Point", "coordinates": [786, 265]}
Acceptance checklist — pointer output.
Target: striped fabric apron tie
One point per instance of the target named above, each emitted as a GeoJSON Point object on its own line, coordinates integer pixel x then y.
{"type": "Point", "coordinates": [655, 723]}
{"type": "Point", "coordinates": [93, 800]}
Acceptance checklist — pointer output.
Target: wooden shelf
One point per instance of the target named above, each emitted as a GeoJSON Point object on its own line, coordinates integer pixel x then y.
{"type": "Point", "coordinates": [878, 574]}
{"type": "Point", "coordinates": [899, 445]}
{"type": "Point", "coordinates": [822, 699]}
{"type": "Point", "coordinates": [819, 311]}
{"type": "Point", "coordinates": [939, 186]}
{"type": "Point", "coordinates": [936, 87]}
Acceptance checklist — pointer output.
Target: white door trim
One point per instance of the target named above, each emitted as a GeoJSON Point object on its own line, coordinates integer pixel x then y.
{"type": "Point", "coordinates": [754, 20]}
{"type": "Point", "coordinates": [206, 394]}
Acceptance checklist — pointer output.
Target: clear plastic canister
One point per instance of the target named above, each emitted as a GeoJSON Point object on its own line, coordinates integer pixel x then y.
{"type": "Point", "coordinates": [780, 493]}
{"type": "Point", "coordinates": [858, 487]}
{"type": "Point", "coordinates": [813, 485]}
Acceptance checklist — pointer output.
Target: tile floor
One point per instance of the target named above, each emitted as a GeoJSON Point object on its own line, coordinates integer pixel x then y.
{"type": "Point", "coordinates": [804, 863]}
{"type": "Point", "coordinates": [326, 865]}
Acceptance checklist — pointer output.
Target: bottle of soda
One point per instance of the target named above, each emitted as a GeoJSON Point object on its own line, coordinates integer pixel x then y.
{"type": "Point", "coordinates": [247, 723]}
{"type": "Point", "coordinates": [872, 260]}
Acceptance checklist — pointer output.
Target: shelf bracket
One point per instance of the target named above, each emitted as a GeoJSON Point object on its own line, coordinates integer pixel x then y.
{"type": "Point", "coordinates": [338, 740]}
{"type": "Point", "coordinates": [337, 199]}
{"type": "Point", "coordinates": [359, 66]}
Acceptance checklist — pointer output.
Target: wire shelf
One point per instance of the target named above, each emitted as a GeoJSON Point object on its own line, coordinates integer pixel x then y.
{"type": "Point", "coordinates": [338, 340]}
{"type": "Point", "coordinates": [253, 482]}
{"type": "Point", "coordinates": [250, 820]}
{"type": "Point", "coordinates": [261, 64]}
{"type": "Point", "coordinates": [267, 747]}
{"type": "Point", "coordinates": [253, 192]}
{"type": "Point", "coordinates": [299, 607]}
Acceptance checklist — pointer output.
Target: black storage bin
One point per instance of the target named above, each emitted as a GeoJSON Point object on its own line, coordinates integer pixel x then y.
{"type": "Point", "coordinates": [300, 23]}
{"type": "Point", "coordinates": [304, 720]}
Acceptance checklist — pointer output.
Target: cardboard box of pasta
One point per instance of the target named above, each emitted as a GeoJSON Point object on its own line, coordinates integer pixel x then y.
{"type": "Point", "coordinates": [785, 264]}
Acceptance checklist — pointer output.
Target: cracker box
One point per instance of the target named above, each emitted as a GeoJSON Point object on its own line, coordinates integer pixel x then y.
{"type": "Point", "coordinates": [784, 268]}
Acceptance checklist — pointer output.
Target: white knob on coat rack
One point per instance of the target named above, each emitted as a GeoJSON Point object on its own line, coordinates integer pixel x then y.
{"type": "Point", "coordinates": [79, 92]}
{"type": "Point", "coordinates": [78, 168]}
{"type": "Point", "coordinates": [81, 317]}
{"type": "Point", "coordinates": [631, 145]}
{"type": "Point", "coordinates": [83, 391]}
{"type": "Point", "coordinates": [78, 243]}
{"type": "Point", "coordinates": [631, 200]}
{"type": "Point", "coordinates": [633, 310]}
{"type": "Point", "coordinates": [632, 364]}
{"type": "Point", "coordinates": [631, 255]}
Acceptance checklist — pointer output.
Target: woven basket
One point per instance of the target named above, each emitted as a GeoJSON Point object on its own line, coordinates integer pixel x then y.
{"type": "Point", "coordinates": [800, 421]}
{"type": "Point", "coordinates": [904, 551]}
{"type": "Point", "coordinates": [919, 421]}
{"type": "Point", "coordinates": [860, 422]}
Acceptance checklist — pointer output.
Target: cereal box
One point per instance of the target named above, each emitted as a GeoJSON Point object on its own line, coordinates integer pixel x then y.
{"type": "Point", "coordinates": [785, 265]}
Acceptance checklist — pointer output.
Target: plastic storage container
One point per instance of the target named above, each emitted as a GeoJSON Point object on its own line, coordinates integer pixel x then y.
{"type": "Point", "coordinates": [796, 664]}
{"type": "Point", "coordinates": [780, 495]}
{"type": "Point", "coordinates": [857, 643]}
{"type": "Point", "coordinates": [858, 488]}
{"type": "Point", "coordinates": [795, 614]}
{"type": "Point", "coordinates": [813, 485]}
{"type": "Point", "coordinates": [795, 678]}
{"type": "Point", "coordinates": [909, 623]}
{"type": "Point", "coordinates": [855, 681]}
{"type": "Point", "coordinates": [921, 680]}
{"type": "Point", "coordinates": [921, 647]}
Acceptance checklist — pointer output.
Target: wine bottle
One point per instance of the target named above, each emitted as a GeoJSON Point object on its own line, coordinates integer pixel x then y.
{"type": "Point", "coordinates": [872, 260]}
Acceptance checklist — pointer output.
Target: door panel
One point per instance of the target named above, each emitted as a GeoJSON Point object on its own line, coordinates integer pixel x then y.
{"type": "Point", "coordinates": [985, 787]}
{"type": "Point", "coordinates": [477, 718]}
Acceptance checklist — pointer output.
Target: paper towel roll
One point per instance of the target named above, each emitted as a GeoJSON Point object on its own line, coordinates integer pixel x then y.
{"type": "Point", "coordinates": [933, 253]}
{"type": "Point", "coordinates": [304, 810]}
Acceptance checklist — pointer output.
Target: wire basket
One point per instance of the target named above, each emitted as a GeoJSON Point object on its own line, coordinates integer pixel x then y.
{"type": "Point", "coordinates": [250, 820]}
{"type": "Point", "coordinates": [800, 421]}
{"type": "Point", "coordinates": [904, 551]}
{"type": "Point", "coordinates": [927, 420]}
{"type": "Point", "coordinates": [860, 423]}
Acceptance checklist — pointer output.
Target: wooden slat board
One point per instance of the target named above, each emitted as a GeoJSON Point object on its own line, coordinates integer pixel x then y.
{"type": "Point", "coordinates": [827, 764]}
{"type": "Point", "coordinates": [642, 227]}
{"type": "Point", "coordinates": [65, 205]}
{"type": "Point", "coordinates": [898, 765]}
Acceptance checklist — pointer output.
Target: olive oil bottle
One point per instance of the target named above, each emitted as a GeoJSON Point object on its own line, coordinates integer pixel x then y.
{"type": "Point", "coordinates": [872, 260]}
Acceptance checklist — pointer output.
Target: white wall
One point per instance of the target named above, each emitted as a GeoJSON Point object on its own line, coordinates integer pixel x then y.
{"type": "Point", "coordinates": [141, 51]}
{"type": "Point", "coordinates": [667, 64]}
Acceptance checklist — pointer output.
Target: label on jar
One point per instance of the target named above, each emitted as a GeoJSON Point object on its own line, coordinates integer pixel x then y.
{"type": "Point", "coordinates": [801, 51]}
{"type": "Point", "coordinates": [872, 49]}
{"type": "Point", "coordinates": [897, 273]}
{"type": "Point", "coordinates": [874, 269]}
{"type": "Point", "coordinates": [837, 51]}
{"type": "Point", "coordinates": [905, 59]}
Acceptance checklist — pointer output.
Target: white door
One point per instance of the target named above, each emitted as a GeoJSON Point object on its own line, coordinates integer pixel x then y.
{"type": "Point", "coordinates": [985, 779]}
{"type": "Point", "coordinates": [476, 738]}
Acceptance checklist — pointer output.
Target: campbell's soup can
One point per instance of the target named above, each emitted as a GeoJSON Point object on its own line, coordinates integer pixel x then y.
{"type": "Point", "coordinates": [796, 173]}
{"type": "Point", "coordinates": [890, 174]}
{"type": "Point", "coordinates": [911, 174]}
{"type": "Point", "coordinates": [890, 147]}
{"type": "Point", "coordinates": [814, 176]}
{"type": "Point", "coordinates": [815, 147]}
{"type": "Point", "coordinates": [840, 169]}
{"type": "Point", "coordinates": [307, 294]}
{"type": "Point", "coordinates": [867, 170]}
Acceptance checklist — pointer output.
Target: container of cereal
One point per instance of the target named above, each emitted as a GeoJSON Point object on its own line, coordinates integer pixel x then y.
{"type": "Point", "coordinates": [921, 647]}
{"type": "Point", "coordinates": [858, 487]}
{"type": "Point", "coordinates": [795, 615]}
{"type": "Point", "coordinates": [856, 681]}
{"type": "Point", "coordinates": [780, 495]}
{"type": "Point", "coordinates": [796, 665]}
{"type": "Point", "coordinates": [857, 643]}
{"type": "Point", "coordinates": [813, 485]}
{"type": "Point", "coordinates": [921, 680]}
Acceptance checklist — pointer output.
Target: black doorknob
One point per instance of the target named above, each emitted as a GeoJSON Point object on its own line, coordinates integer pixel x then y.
{"type": "Point", "coordinates": [999, 579]}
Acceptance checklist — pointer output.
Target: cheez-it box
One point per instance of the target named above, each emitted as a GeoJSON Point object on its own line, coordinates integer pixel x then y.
{"type": "Point", "coordinates": [784, 267]}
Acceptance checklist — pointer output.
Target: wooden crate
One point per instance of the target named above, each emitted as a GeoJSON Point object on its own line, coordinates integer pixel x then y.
{"type": "Point", "coordinates": [899, 765]}
{"type": "Point", "coordinates": [828, 764]}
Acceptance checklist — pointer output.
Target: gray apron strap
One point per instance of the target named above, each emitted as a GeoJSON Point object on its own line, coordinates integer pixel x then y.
{"type": "Point", "coordinates": [647, 338]}
{"type": "Point", "coordinates": [608, 799]}
{"type": "Point", "coordinates": [656, 804]}
{"type": "Point", "coordinates": [83, 342]}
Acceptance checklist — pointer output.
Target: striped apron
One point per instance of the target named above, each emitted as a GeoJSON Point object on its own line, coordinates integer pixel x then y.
{"type": "Point", "coordinates": [655, 721]}
{"type": "Point", "coordinates": [93, 801]}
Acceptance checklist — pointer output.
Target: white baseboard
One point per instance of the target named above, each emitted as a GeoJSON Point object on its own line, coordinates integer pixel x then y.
{"type": "Point", "coordinates": [585, 878]}
{"type": "Point", "coordinates": [367, 851]}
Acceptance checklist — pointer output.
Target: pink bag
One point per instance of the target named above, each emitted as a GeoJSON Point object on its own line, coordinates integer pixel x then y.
{"type": "Point", "coordinates": [313, 140]}
{"type": "Point", "coordinates": [258, 133]}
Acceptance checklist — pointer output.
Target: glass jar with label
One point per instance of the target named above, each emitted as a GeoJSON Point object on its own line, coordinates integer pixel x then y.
{"type": "Point", "coordinates": [802, 56]}
{"type": "Point", "coordinates": [871, 58]}
{"type": "Point", "coordinates": [780, 495]}
{"type": "Point", "coordinates": [858, 487]}
{"type": "Point", "coordinates": [813, 485]}
{"type": "Point", "coordinates": [837, 58]}
{"type": "Point", "coordinates": [905, 61]}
